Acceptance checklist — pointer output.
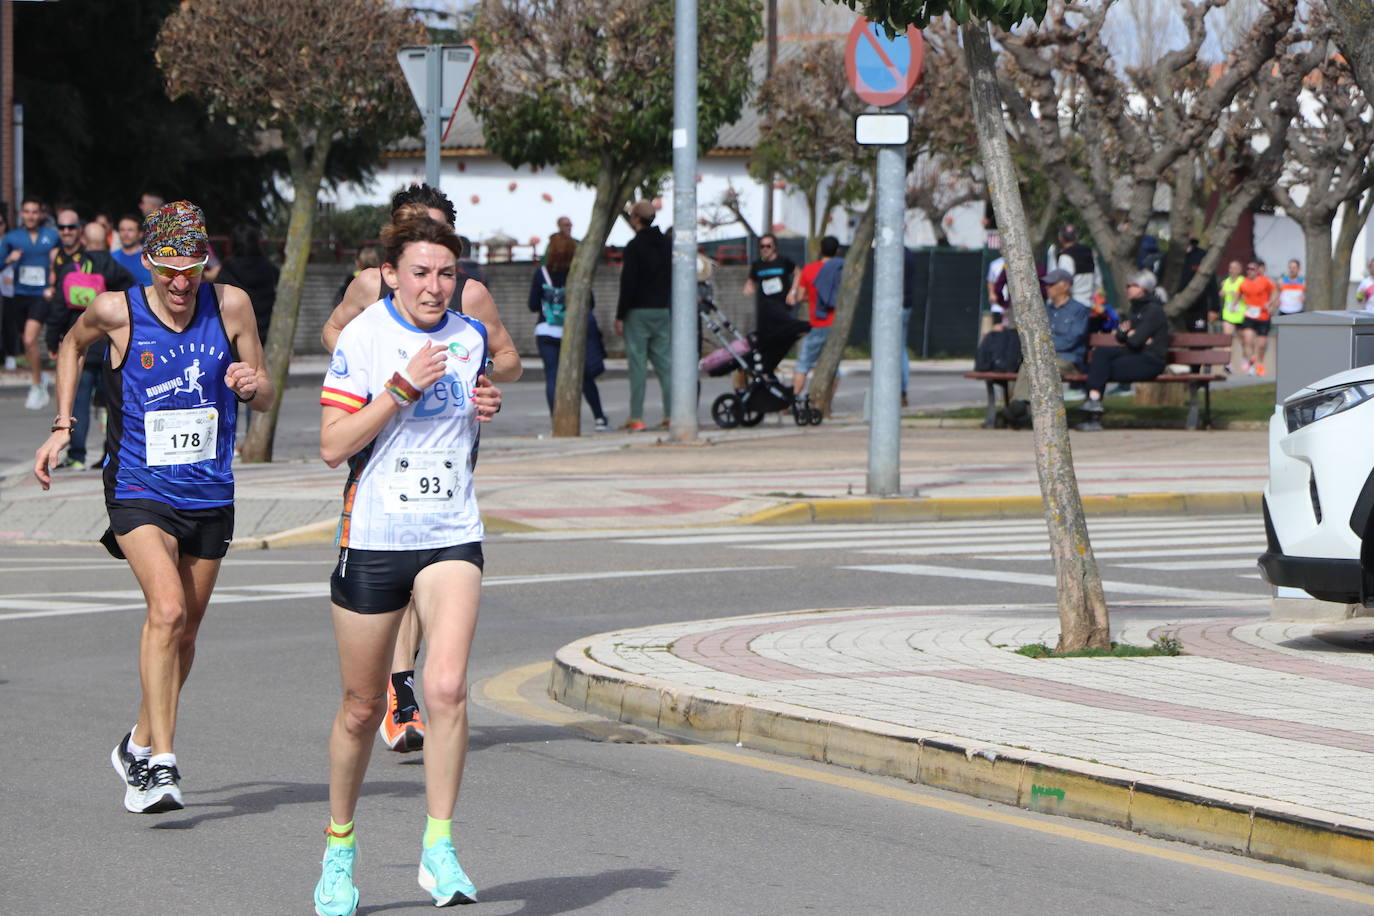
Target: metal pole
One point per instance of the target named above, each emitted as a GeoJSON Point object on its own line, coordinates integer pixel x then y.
{"type": "Point", "coordinates": [434, 79]}
{"type": "Point", "coordinates": [770, 62]}
{"type": "Point", "coordinates": [684, 339]}
{"type": "Point", "coordinates": [884, 429]}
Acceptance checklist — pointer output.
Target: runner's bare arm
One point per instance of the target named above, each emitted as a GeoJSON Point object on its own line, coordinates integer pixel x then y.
{"type": "Point", "coordinates": [107, 315]}
{"type": "Point", "coordinates": [478, 303]}
{"type": "Point", "coordinates": [344, 434]}
{"type": "Point", "coordinates": [247, 378]}
{"type": "Point", "coordinates": [361, 293]}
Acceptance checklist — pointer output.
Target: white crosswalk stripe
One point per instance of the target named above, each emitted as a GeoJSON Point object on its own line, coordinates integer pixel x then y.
{"type": "Point", "coordinates": [1228, 544]}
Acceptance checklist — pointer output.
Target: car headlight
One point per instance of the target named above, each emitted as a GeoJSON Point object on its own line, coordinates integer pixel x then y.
{"type": "Point", "coordinates": [1308, 410]}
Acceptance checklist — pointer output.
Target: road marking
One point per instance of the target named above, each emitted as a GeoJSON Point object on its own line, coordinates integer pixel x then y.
{"type": "Point", "coordinates": [1238, 563]}
{"type": "Point", "coordinates": [30, 605]}
{"type": "Point", "coordinates": [1015, 578]}
{"type": "Point", "coordinates": [504, 691]}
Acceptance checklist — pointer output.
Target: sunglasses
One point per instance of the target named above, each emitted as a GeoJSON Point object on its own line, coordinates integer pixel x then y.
{"type": "Point", "coordinates": [171, 273]}
{"type": "Point", "coordinates": [69, 226]}
{"type": "Point", "coordinates": [765, 245]}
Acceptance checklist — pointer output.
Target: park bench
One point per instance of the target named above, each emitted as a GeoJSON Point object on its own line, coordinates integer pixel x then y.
{"type": "Point", "coordinates": [1199, 352]}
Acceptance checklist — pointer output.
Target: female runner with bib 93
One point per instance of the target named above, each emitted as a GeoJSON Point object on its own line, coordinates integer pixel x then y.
{"type": "Point", "coordinates": [406, 389]}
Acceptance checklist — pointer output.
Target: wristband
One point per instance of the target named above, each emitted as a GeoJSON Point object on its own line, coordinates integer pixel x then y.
{"type": "Point", "coordinates": [402, 383]}
{"type": "Point", "coordinates": [57, 420]}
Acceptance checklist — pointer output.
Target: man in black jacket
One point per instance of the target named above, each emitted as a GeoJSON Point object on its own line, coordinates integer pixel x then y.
{"type": "Point", "coordinates": [643, 315]}
{"type": "Point", "coordinates": [84, 257]}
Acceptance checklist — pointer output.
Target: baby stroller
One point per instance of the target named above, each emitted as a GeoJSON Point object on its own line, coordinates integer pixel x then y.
{"type": "Point", "coordinates": [757, 356]}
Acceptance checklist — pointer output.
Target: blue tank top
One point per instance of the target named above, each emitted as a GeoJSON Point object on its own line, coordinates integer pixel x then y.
{"type": "Point", "coordinates": [170, 435]}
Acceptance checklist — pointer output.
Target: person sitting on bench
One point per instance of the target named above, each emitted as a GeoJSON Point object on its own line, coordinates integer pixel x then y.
{"type": "Point", "coordinates": [1069, 320]}
{"type": "Point", "coordinates": [1144, 350]}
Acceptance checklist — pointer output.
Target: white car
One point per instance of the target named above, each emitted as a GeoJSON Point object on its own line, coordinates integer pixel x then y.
{"type": "Point", "coordinates": [1317, 504]}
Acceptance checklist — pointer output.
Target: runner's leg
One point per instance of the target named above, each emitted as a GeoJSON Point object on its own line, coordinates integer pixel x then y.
{"type": "Point", "coordinates": [446, 597]}
{"type": "Point", "coordinates": [152, 555]}
{"type": "Point", "coordinates": [365, 643]}
{"type": "Point", "coordinates": [33, 349]}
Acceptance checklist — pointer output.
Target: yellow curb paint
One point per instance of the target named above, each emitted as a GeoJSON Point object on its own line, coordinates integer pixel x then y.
{"type": "Point", "coordinates": [504, 689]}
{"type": "Point", "coordinates": [1159, 812]}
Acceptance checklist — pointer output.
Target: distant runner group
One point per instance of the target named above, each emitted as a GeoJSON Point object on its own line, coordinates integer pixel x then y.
{"type": "Point", "coordinates": [416, 350]}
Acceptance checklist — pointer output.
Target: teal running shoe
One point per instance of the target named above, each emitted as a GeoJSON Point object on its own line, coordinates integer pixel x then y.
{"type": "Point", "coordinates": [335, 895]}
{"type": "Point", "coordinates": [443, 877]}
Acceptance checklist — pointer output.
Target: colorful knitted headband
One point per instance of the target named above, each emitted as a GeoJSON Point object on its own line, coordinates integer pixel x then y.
{"type": "Point", "coordinates": [175, 230]}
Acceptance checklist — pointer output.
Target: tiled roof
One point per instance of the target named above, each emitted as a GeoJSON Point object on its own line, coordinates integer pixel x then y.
{"type": "Point", "coordinates": [739, 137]}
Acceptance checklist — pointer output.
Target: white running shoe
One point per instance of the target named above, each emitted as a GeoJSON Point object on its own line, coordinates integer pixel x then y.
{"type": "Point", "coordinates": [10, 364]}
{"type": "Point", "coordinates": [37, 399]}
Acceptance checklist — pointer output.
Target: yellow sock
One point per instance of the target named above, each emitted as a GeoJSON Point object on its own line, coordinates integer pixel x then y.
{"type": "Point", "coordinates": [436, 830]}
{"type": "Point", "coordinates": [340, 834]}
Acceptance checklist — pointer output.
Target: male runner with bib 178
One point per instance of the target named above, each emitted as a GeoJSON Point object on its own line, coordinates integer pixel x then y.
{"type": "Point", "coordinates": [406, 390]}
{"type": "Point", "coordinates": [181, 351]}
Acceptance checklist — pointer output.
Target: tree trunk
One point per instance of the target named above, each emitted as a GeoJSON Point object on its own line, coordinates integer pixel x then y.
{"type": "Point", "coordinates": [1318, 267]}
{"type": "Point", "coordinates": [612, 190]}
{"type": "Point", "coordinates": [307, 170]}
{"type": "Point", "coordinates": [1083, 619]}
{"type": "Point", "coordinates": [1354, 216]}
{"type": "Point", "coordinates": [822, 384]}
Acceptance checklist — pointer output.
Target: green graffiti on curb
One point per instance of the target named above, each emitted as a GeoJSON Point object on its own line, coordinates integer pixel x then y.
{"type": "Point", "coordinates": [1043, 791]}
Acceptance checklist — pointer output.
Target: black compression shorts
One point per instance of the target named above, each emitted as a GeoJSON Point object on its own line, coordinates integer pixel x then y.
{"type": "Point", "coordinates": [380, 581]}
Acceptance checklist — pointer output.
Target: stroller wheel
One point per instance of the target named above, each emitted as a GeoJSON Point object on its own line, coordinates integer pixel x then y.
{"type": "Point", "coordinates": [750, 417]}
{"type": "Point", "coordinates": [801, 414]}
{"type": "Point", "coordinates": [725, 411]}
{"type": "Point", "coordinates": [816, 416]}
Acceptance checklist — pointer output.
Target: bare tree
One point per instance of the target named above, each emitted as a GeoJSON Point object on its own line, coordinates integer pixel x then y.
{"type": "Point", "coordinates": [317, 71]}
{"type": "Point", "coordinates": [1328, 166]}
{"type": "Point", "coordinates": [812, 17]}
{"type": "Point", "coordinates": [807, 138]}
{"type": "Point", "coordinates": [1143, 125]}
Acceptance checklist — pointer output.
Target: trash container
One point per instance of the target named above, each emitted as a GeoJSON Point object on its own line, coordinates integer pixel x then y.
{"type": "Point", "coordinates": [1314, 345]}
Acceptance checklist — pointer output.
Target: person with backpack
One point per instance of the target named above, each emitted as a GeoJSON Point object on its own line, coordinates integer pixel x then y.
{"type": "Point", "coordinates": [82, 269]}
{"type": "Point", "coordinates": [548, 299]}
{"type": "Point", "coordinates": [819, 281]}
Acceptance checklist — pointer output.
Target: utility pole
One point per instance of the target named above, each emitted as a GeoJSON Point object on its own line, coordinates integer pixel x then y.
{"type": "Point", "coordinates": [770, 63]}
{"type": "Point", "coordinates": [684, 313]}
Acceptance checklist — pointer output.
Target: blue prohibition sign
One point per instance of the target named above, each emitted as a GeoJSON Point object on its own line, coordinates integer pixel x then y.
{"type": "Point", "coordinates": [882, 63]}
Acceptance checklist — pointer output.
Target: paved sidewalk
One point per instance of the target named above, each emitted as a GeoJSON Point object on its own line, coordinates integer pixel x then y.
{"type": "Point", "coordinates": [1259, 740]}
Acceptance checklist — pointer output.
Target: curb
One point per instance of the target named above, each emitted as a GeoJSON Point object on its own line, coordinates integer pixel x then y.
{"type": "Point", "coordinates": [1045, 783]}
{"type": "Point", "coordinates": [939, 508]}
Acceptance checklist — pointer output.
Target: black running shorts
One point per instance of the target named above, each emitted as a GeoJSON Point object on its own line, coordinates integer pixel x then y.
{"type": "Point", "coordinates": [35, 308]}
{"type": "Point", "coordinates": [1259, 327]}
{"type": "Point", "coordinates": [380, 581]}
{"type": "Point", "coordinates": [204, 533]}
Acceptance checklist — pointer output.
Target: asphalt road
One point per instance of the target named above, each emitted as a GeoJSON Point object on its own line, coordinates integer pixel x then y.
{"type": "Point", "coordinates": [559, 813]}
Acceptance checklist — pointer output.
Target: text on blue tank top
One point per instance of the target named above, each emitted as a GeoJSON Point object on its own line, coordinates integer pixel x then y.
{"type": "Point", "coordinates": [178, 444]}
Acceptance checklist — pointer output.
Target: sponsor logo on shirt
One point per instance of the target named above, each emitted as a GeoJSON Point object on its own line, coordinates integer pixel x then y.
{"type": "Point", "coordinates": [339, 364]}
{"type": "Point", "coordinates": [458, 350]}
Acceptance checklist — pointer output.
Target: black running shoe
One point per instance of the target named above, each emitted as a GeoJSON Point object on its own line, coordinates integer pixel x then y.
{"type": "Point", "coordinates": [162, 790]}
{"type": "Point", "coordinates": [134, 771]}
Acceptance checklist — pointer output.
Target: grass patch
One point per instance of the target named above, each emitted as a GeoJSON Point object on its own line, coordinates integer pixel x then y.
{"type": "Point", "coordinates": [1241, 404]}
{"type": "Point", "coordinates": [1165, 645]}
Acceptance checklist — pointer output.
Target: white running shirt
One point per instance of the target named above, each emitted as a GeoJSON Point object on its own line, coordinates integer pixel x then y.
{"type": "Point", "coordinates": [411, 487]}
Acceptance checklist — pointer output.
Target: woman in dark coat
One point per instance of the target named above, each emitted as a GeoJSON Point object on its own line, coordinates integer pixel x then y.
{"type": "Point", "coordinates": [1144, 339]}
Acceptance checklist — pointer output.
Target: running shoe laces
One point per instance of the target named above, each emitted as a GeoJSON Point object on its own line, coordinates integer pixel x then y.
{"type": "Point", "coordinates": [161, 776]}
{"type": "Point", "coordinates": [335, 894]}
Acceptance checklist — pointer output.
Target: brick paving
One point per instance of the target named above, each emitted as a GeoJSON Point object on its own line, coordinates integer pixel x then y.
{"type": "Point", "coordinates": [1256, 707]}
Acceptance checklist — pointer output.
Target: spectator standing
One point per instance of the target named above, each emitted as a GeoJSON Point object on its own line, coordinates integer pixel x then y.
{"type": "Point", "coordinates": [997, 306]}
{"type": "Point", "coordinates": [1364, 293]}
{"type": "Point", "coordinates": [643, 314]}
{"type": "Point", "coordinates": [129, 248]}
{"type": "Point", "coordinates": [1077, 260]}
{"type": "Point", "coordinates": [1069, 331]}
{"type": "Point", "coordinates": [818, 282]}
{"type": "Point", "coordinates": [149, 201]}
{"type": "Point", "coordinates": [548, 292]}
{"type": "Point", "coordinates": [1292, 289]}
{"type": "Point", "coordinates": [1144, 339]}
{"type": "Point", "coordinates": [30, 249]}
{"type": "Point", "coordinates": [250, 270]}
{"type": "Point", "coordinates": [1260, 296]}
{"type": "Point", "coordinates": [1207, 306]}
{"type": "Point", "coordinates": [82, 272]}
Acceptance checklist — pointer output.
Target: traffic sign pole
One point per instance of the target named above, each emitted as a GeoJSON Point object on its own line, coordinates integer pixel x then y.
{"type": "Point", "coordinates": [882, 71]}
{"type": "Point", "coordinates": [434, 82]}
{"type": "Point", "coordinates": [684, 317]}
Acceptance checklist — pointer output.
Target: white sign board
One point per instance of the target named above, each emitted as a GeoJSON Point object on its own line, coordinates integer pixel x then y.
{"type": "Point", "coordinates": [456, 63]}
{"type": "Point", "coordinates": [882, 129]}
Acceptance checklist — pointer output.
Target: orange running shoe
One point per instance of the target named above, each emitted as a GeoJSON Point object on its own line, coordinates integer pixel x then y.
{"type": "Point", "coordinates": [401, 729]}
{"type": "Point", "coordinates": [1259, 368]}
